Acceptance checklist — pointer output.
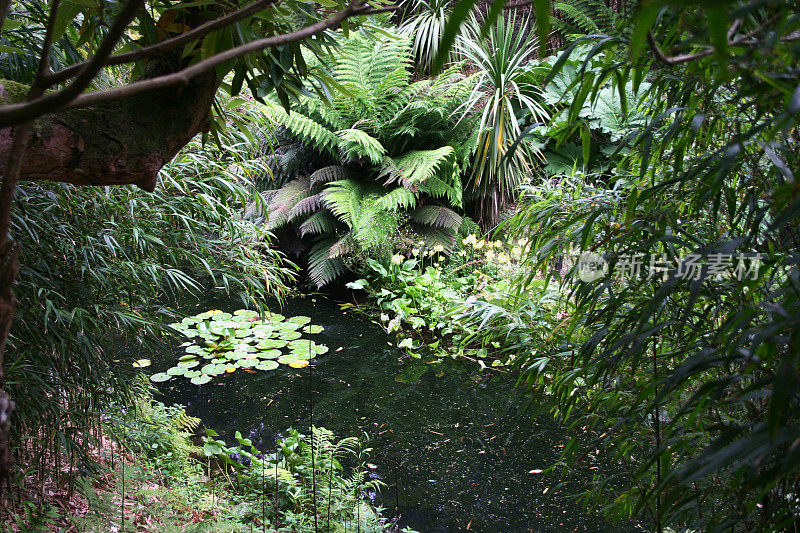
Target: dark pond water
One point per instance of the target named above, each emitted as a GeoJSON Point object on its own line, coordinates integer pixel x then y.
{"type": "Point", "coordinates": [454, 447]}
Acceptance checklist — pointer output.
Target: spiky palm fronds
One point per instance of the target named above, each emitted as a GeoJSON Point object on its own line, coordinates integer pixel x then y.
{"type": "Point", "coordinates": [427, 28]}
{"type": "Point", "coordinates": [506, 97]}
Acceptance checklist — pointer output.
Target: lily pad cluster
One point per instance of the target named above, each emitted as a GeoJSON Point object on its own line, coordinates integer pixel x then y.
{"type": "Point", "coordinates": [224, 342]}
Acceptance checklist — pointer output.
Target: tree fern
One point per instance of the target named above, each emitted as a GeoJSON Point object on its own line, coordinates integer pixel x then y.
{"type": "Point", "coordinates": [379, 131]}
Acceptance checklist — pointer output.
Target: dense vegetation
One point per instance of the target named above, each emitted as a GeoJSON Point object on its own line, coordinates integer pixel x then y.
{"type": "Point", "coordinates": [597, 197]}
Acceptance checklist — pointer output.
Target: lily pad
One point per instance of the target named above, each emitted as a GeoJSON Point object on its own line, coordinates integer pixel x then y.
{"type": "Point", "coordinates": [201, 380]}
{"type": "Point", "coordinates": [192, 374]}
{"type": "Point", "coordinates": [158, 378]}
{"type": "Point", "coordinates": [313, 329]}
{"type": "Point", "coordinates": [300, 363]}
{"type": "Point", "coordinates": [177, 370]}
{"type": "Point", "coordinates": [300, 319]}
{"type": "Point", "coordinates": [245, 313]}
{"type": "Point", "coordinates": [269, 344]}
{"type": "Point", "coordinates": [289, 335]}
{"type": "Point", "coordinates": [269, 354]}
{"type": "Point", "coordinates": [188, 364]}
{"type": "Point", "coordinates": [267, 365]}
{"type": "Point", "coordinates": [287, 359]}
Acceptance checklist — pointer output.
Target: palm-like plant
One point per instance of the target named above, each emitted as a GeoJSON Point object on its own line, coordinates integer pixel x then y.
{"type": "Point", "coordinates": [390, 155]}
{"type": "Point", "coordinates": [507, 98]}
{"type": "Point", "coordinates": [426, 28]}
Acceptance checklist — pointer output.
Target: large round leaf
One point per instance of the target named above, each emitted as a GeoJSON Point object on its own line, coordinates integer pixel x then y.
{"type": "Point", "coordinates": [287, 359]}
{"type": "Point", "coordinates": [158, 378]}
{"type": "Point", "coordinates": [201, 380]}
{"type": "Point", "coordinates": [267, 365]}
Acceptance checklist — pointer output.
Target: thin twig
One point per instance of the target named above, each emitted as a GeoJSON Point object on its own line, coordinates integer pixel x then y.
{"type": "Point", "coordinates": [39, 105]}
{"type": "Point", "coordinates": [15, 113]}
{"type": "Point", "coordinates": [744, 40]}
{"type": "Point", "coordinates": [165, 45]}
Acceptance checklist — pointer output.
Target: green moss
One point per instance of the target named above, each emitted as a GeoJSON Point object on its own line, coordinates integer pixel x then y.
{"type": "Point", "coordinates": [13, 91]}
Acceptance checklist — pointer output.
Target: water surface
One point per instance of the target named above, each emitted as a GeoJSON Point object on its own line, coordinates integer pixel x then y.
{"type": "Point", "coordinates": [454, 447]}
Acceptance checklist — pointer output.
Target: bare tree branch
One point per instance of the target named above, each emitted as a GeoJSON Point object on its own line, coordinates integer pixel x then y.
{"type": "Point", "coordinates": [15, 113]}
{"type": "Point", "coordinates": [166, 45]}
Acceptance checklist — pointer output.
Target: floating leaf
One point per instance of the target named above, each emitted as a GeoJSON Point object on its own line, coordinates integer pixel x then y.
{"type": "Point", "coordinates": [201, 380]}
{"type": "Point", "coordinates": [289, 335]}
{"type": "Point", "coordinates": [313, 329]}
{"type": "Point", "coordinates": [267, 365]}
{"type": "Point", "coordinates": [192, 374]}
{"type": "Point", "coordinates": [287, 359]}
{"type": "Point", "coordinates": [177, 370]}
{"type": "Point", "coordinates": [300, 319]}
{"type": "Point", "coordinates": [269, 354]}
{"type": "Point", "coordinates": [230, 369]}
{"type": "Point", "coordinates": [158, 378]}
{"type": "Point", "coordinates": [300, 363]}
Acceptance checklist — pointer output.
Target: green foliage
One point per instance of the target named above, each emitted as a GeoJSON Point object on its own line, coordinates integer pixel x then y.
{"type": "Point", "coordinates": [690, 383]}
{"type": "Point", "coordinates": [576, 18]}
{"type": "Point", "coordinates": [595, 137]}
{"type": "Point", "coordinates": [173, 485]}
{"type": "Point", "coordinates": [309, 475]}
{"type": "Point", "coordinates": [505, 98]}
{"type": "Point", "coordinates": [96, 268]}
{"type": "Point", "coordinates": [244, 339]}
{"type": "Point", "coordinates": [387, 147]}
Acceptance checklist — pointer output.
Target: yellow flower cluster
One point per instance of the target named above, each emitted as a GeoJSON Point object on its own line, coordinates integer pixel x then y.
{"type": "Point", "coordinates": [397, 259]}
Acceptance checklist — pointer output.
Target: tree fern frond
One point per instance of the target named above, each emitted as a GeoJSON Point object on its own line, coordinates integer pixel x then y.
{"type": "Point", "coordinates": [437, 215]}
{"type": "Point", "coordinates": [345, 245]}
{"type": "Point", "coordinates": [321, 268]}
{"type": "Point", "coordinates": [304, 207]}
{"type": "Point", "coordinates": [419, 165]}
{"type": "Point", "coordinates": [305, 128]}
{"type": "Point", "coordinates": [355, 144]}
{"type": "Point", "coordinates": [399, 198]}
{"type": "Point", "coordinates": [329, 174]}
{"type": "Point", "coordinates": [282, 201]}
{"type": "Point", "coordinates": [320, 223]}
{"type": "Point", "coordinates": [343, 198]}
{"type": "Point", "coordinates": [433, 235]}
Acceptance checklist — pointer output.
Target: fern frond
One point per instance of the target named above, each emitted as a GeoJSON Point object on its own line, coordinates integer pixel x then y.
{"type": "Point", "coordinates": [399, 198]}
{"type": "Point", "coordinates": [432, 235]}
{"type": "Point", "coordinates": [343, 198]}
{"type": "Point", "coordinates": [320, 223]}
{"type": "Point", "coordinates": [304, 207]}
{"type": "Point", "coordinates": [323, 269]}
{"type": "Point", "coordinates": [282, 202]}
{"type": "Point", "coordinates": [305, 128]}
{"type": "Point", "coordinates": [437, 215]}
{"type": "Point", "coordinates": [345, 245]}
{"type": "Point", "coordinates": [355, 144]}
{"type": "Point", "coordinates": [419, 165]}
{"type": "Point", "coordinates": [328, 174]}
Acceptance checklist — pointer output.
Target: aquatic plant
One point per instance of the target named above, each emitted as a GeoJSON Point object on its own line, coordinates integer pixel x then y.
{"type": "Point", "coordinates": [225, 342]}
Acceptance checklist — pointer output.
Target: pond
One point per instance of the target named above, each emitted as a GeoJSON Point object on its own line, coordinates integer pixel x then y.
{"type": "Point", "coordinates": [454, 447]}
